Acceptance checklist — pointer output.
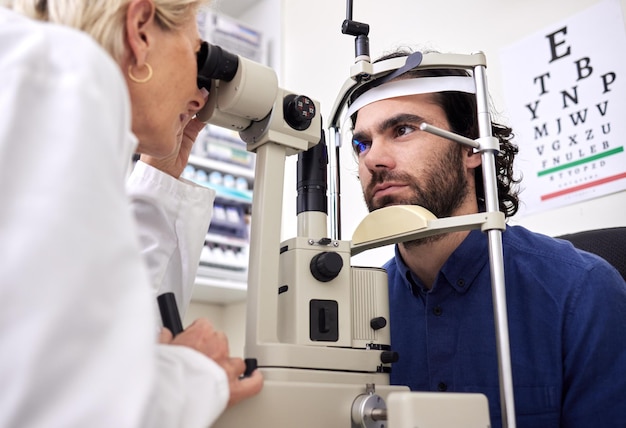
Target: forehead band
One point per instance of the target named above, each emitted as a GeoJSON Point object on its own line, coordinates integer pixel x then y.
{"type": "Point", "coordinates": [418, 85]}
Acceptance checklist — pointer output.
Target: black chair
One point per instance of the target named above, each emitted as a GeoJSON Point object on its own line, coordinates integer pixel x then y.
{"type": "Point", "coordinates": [609, 243]}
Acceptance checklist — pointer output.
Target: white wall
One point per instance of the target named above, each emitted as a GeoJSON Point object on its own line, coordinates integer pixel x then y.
{"type": "Point", "coordinates": [319, 65]}
{"type": "Point", "coordinates": [212, 312]}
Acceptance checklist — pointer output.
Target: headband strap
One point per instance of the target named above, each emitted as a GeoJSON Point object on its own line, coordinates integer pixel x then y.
{"type": "Point", "coordinates": [418, 85]}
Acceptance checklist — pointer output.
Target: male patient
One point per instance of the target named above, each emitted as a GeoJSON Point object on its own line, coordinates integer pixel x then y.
{"type": "Point", "coordinates": [566, 308]}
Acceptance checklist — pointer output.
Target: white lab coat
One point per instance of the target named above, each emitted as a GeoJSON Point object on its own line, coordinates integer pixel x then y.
{"type": "Point", "coordinates": [77, 345]}
{"type": "Point", "coordinates": [173, 217]}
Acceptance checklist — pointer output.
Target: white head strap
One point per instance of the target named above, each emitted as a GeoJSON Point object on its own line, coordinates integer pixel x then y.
{"type": "Point", "coordinates": [418, 85]}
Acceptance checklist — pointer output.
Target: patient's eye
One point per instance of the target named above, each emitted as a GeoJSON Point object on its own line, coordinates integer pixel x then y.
{"type": "Point", "coordinates": [402, 130]}
{"type": "Point", "coordinates": [360, 147]}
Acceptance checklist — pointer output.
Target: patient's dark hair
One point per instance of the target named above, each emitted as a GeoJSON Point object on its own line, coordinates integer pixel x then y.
{"type": "Point", "coordinates": [460, 110]}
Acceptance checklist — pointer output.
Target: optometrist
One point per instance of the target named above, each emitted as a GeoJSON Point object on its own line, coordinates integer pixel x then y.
{"type": "Point", "coordinates": [84, 251]}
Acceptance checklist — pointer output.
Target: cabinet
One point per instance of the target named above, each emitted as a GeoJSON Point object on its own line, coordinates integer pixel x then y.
{"type": "Point", "coordinates": [220, 160]}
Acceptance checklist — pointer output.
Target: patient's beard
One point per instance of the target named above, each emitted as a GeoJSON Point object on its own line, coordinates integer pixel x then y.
{"type": "Point", "coordinates": [442, 190]}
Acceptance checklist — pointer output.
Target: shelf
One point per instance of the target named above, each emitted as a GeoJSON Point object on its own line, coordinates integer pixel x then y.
{"type": "Point", "coordinates": [225, 167]}
{"type": "Point", "coordinates": [228, 283]}
{"type": "Point", "coordinates": [226, 240]}
{"type": "Point", "coordinates": [228, 193]}
{"type": "Point", "coordinates": [218, 291]}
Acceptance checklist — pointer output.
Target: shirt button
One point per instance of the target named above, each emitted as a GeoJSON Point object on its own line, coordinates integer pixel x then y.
{"type": "Point", "coordinates": [461, 282]}
{"type": "Point", "coordinates": [442, 387]}
{"type": "Point", "coordinates": [437, 310]}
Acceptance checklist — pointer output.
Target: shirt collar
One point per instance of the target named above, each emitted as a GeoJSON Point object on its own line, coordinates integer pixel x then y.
{"type": "Point", "coordinates": [461, 268]}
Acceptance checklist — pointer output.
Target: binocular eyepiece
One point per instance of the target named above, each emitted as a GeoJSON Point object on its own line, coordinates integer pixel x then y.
{"type": "Point", "coordinates": [215, 63]}
{"type": "Point", "coordinates": [241, 91]}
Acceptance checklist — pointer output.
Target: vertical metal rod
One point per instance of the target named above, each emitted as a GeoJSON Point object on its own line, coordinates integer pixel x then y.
{"type": "Point", "coordinates": [496, 257]}
{"type": "Point", "coordinates": [262, 304]}
{"type": "Point", "coordinates": [334, 184]}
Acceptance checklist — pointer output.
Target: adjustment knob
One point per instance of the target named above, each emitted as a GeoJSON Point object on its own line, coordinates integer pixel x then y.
{"type": "Point", "coordinates": [378, 323]}
{"type": "Point", "coordinates": [388, 357]}
{"type": "Point", "coordinates": [326, 266]}
{"type": "Point", "coordinates": [298, 111]}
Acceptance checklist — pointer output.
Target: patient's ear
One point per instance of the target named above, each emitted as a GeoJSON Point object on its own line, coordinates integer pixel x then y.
{"type": "Point", "coordinates": [472, 159]}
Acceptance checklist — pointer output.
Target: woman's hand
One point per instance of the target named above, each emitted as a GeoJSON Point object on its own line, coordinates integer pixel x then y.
{"type": "Point", "coordinates": [202, 337]}
{"type": "Point", "coordinates": [175, 163]}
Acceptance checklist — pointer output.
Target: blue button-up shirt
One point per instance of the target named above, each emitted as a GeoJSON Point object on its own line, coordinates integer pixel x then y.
{"type": "Point", "coordinates": [567, 330]}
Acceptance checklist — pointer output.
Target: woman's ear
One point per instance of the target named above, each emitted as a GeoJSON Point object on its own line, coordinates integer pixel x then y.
{"type": "Point", "coordinates": [139, 24]}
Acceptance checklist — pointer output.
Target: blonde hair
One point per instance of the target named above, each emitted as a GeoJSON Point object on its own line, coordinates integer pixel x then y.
{"type": "Point", "coordinates": [104, 20]}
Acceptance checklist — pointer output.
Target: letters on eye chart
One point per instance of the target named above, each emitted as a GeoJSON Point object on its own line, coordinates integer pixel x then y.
{"type": "Point", "coordinates": [565, 90]}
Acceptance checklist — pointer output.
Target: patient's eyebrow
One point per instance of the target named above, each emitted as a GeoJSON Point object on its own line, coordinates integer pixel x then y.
{"type": "Point", "coordinates": [399, 119]}
{"type": "Point", "coordinates": [388, 123]}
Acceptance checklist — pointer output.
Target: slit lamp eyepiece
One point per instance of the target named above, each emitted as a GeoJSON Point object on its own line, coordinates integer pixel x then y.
{"type": "Point", "coordinates": [215, 63]}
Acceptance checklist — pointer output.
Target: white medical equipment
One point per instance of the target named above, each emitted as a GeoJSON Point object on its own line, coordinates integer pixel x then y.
{"type": "Point", "coordinates": [316, 326]}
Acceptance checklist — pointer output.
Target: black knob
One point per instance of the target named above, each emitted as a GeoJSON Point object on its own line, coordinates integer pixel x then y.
{"type": "Point", "coordinates": [251, 365]}
{"type": "Point", "coordinates": [326, 266]}
{"type": "Point", "coordinates": [299, 111]}
{"type": "Point", "coordinates": [388, 357]}
{"type": "Point", "coordinates": [378, 323]}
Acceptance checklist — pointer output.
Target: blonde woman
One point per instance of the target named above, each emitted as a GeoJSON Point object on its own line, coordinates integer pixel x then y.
{"type": "Point", "coordinates": [77, 317]}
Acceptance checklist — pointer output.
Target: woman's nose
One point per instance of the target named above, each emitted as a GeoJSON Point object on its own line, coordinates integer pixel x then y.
{"type": "Point", "coordinates": [199, 100]}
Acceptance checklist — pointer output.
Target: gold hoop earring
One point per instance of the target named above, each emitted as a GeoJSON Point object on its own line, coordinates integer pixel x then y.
{"type": "Point", "coordinates": [137, 80]}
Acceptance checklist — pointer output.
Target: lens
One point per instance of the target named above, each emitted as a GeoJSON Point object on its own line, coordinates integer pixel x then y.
{"type": "Point", "coordinates": [201, 57]}
{"type": "Point", "coordinates": [215, 63]}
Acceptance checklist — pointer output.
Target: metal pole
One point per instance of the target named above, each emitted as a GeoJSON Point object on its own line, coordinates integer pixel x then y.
{"type": "Point", "coordinates": [495, 256]}
{"type": "Point", "coordinates": [262, 305]}
{"type": "Point", "coordinates": [334, 184]}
